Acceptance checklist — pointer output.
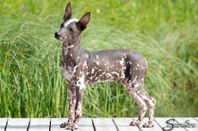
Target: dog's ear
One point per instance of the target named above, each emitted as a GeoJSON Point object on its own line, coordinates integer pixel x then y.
{"type": "Point", "coordinates": [68, 12]}
{"type": "Point", "coordinates": [84, 20]}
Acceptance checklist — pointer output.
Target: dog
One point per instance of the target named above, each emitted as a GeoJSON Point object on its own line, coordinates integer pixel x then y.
{"type": "Point", "coordinates": [81, 67]}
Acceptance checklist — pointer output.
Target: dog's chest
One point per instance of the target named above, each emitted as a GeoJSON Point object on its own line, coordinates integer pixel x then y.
{"type": "Point", "coordinates": [67, 72]}
{"type": "Point", "coordinates": [74, 68]}
{"type": "Point", "coordinates": [69, 68]}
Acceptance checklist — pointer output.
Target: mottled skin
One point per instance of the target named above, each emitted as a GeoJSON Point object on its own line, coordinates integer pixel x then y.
{"type": "Point", "coordinates": [82, 67]}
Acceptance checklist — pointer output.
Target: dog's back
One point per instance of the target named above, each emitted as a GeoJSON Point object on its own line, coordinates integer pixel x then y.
{"type": "Point", "coordinates": [115, 65]}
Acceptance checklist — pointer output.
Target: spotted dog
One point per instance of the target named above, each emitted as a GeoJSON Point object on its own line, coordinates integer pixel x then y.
{"type": "Point", "coordinates": [81, 67]}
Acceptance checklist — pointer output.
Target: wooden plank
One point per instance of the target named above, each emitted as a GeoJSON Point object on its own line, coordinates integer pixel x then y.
{"type": "Point", "coordinates": [17, 124]}
{"type": "Point", "coordinates": [55, 124]}
{"type": "Point", "coordinates": [162, 122]}
{"type": "Point", "coordinates": [185, 121]}
{"type": "Point", "coordinates": [101, 124]}
{"type": "Point", "coordinates": [123, 124]}
{"type": "Point", "coordinates": [104, 124]}
{"type": "Point", "coordinates": [85, 124]}
{"type": "Point", "coordinates": [39, 124]}
{"type": "Point", "coordinates": [3, 122]}
{"type": "Point", "coordinates": [196, 118]}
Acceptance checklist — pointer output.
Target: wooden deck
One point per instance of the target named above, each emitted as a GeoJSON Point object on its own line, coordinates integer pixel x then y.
{"type": "Point", "coordinates": [91, 124]}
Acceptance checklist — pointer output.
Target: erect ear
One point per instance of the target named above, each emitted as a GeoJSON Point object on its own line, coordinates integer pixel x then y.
{"type": "Point", "coordinates": [84, 20]}
{"type": "Point", "coordinates": [68, 12]}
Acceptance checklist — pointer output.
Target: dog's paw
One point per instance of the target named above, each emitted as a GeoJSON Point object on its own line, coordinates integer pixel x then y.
{"type": "Point", "coordinates": [148, 124]}
{"type": "Point", "coordinates": [136, 123]}
{"type": "Point", "coordinates": [63, 125]}
{"type": "Point", "coordinates": [75, 126]}
{"type": "Point", "coordinates": [69, 125]}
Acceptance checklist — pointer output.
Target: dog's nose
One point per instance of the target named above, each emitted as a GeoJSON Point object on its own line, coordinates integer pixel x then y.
{"type": "Point", "coordinates": [56, 35]}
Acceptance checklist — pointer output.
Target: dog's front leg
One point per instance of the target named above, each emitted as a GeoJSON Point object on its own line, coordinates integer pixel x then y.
{"type": "Point", "coordinates": [72, 103]}
{"type": "Point", "coordinates": [79, 103]}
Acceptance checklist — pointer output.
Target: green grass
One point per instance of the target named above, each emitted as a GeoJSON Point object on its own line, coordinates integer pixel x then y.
{"type": "Point", "coordinates": [165, 32]}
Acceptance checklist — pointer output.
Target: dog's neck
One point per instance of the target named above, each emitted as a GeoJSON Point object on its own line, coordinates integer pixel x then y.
{"type": "Point", "coordinates": [71, 49]}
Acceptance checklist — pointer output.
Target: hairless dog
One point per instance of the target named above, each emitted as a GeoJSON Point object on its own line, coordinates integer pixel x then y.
{"type": "Point", "coordinates": [81, 67]}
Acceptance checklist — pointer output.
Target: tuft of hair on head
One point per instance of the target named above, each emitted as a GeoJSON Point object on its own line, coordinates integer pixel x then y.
{"type": "Point", "coordinates": [84, 20]}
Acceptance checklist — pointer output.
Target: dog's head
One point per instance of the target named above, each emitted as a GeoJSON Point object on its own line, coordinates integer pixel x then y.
{"type": "Point", "coordinates": [71, 28]}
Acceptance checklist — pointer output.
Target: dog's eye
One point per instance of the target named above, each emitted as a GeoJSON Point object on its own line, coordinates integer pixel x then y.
{"type": "Point", "coordinates": [70, 29]}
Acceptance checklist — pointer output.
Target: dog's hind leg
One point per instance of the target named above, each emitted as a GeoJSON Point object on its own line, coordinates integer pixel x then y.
{"type": "Point", "coordinates": [151, 105]}
{"type": "Point", "coordinates": [143, 108]}
{"type": "Point", "coordinates": [142, 104]}
{"type": "Point", "coordinates": [150, 102]}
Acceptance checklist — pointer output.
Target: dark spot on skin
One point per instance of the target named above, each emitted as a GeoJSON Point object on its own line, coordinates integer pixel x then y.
{"type": "Point", "coordinates": [132, 85]}
{"type": "Point", "coordinates": [128, 72]}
